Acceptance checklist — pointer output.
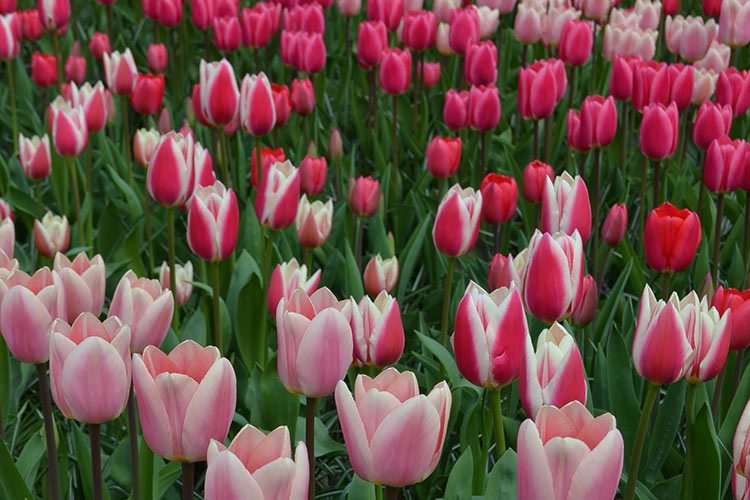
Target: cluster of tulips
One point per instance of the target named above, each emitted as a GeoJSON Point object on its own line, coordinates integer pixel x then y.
{"type": "Point", "coordinates": [438, 386]}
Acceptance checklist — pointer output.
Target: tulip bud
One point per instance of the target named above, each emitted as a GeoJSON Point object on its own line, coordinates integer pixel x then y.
{"type": "Point", "coordinates": [93, 101]}
{"type": "Point", "coordinates": [278, 197]}
{"type": "Point", "coordinates": [671, 238]}
{"type": "Point", "coordinates": [540, 88]}
{"type": "Point", "coordinates": [499, 198]}
{"type": "Point", "coordinates": [484, 108]}
{"type": "Point", "coordinates": [335, 146]}
{"type": "Point", "coordinates": [457, 221]}
{"type": "Point", "coordinates": [377, 331]}
{"type": "Point", "coordinates": [576, 43]}
{"type": "Point", "coordinates": [443, 157]}
{"type": "Point", "coordinates": [480, 64]}
{"type": "Point", "coordinates": [257, 112]}
{"type": "Point", "coordinates": [456, 109]}
{"type": "Point", "coordinates": [395, 71]}
{"type": "Point", "coordinates": [54, 14]}
{"type": "Point", "coordinates": [144, 145]}
{"type": "Point", "coordinates": [659, 134]}
{"type": "Point", "coordinates": [529, 21]}
{"type": "Point", "coordinates": [170, 170]}
{"type": "Point", "coordinates": [689, 37]}
{"type": "Point", "coordinates": [349, 8]}
{"type": "Point", "coordinates": [34, 156]}
{"type": "Point", "coordinates": [380, 275]}
{"type": "Point", "coordinates": [51, 235]}
{"type": "Point", "coordinates": [257, 26]}
{"type": "Point", "coordinates": [503, 272]}
{"type": "Point", "coordinates": [68, 125]}
{"type": "Point", "coordinates": [585, 309]}
{"type": "Point", "coordinates": [464, 30]}
{"type": "Point", "coordinates": [428, 74]}
{"type": "Point", "coordinates": [303, 97]}
{"type": "Point", "coordinates": [566, 206]}
{"type": "Point", "coordinates": [268, 157]}
{"type": "Point", "coordinates": [595, 126]}
{"type": "Point", "coordinates": [156, 58]}
{"type": "Point", "coordinates": [621, 80]}
{"type": "Point", "coordinates": [535, 176]}
{"type": "Point", "coordinates": [615, 225]}
{"type": "Point", "coordinates": [147, 94]}
{"type": "Point", "coordinates": [285, 279]}
{"type": "Point", "coordinates": [120, 71]}
{"type": "Point", "coordinates": [43, 70]}
{"type": "Point", "coordinates": [99, 45]}
{"type": "Point", "coordinates": [75, 68]}
{"type": "Point", "coordinates": [372, 39]}
{"type": "Point", "coordinates": [312, 173]}
{"type": "Point", "coordinates": [213, 222]}
{"type": "Point", "coordinates": [183, 281]}
{"type": "Point", "coordinates": [712, 122]}
{"type": "Point", "coordinates": [314, 221]}
{"type": "Point", "coordinates": [725, 165]}
{"type": "Point", "coordinates": [82, 283]}
{"type": "Point", "coordinates": [364, 196]}
{"type": "Point", "coordinates": [419, 30]}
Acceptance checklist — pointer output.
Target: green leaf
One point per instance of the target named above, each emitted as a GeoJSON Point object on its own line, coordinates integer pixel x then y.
{"type": "Point", "coordinates": [245, 303]}
{"type": "Point", "coordinates": [459, 480]}
{"type": "Point", "coordinates": [665, 430]}
{"type": "Point", "coordinates": [10, 479]}
{"type": "Point", "coordinates": [28, 460]}
{"type": "Point", "coordinates": [359, 489]}
{"type": "Point", "coordinates": [409, 255]}
{"type": "Point", "coordinates": [352, 275]}
{"type": "Point", "coordinates": [442, 354]}
{"type": "Point", "coordinates": [149, 474]}
{"type": "Point", "coordinates": [606, 315]}
{"type": "Point", "coordinates": [276, 406]}
{"type": "Point", "coordinates": [622, 399]}
{"type": "Point", "coordinates": [732, 418]}
{"type": "Point", "coordinates": [502, 482]}
{"type": "Point", "coordinates": [324, 444]}
{"type": "Point", "coordinates": [167, 477]}
{"type": "Point", "coordinates": [707, 463]}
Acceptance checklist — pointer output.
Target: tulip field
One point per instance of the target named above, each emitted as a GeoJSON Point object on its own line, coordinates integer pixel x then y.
{"type": "Point", "coordinates": [379, 249]}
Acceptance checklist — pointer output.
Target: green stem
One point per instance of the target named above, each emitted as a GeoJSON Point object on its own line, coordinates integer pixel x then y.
{"type": "Point", "coordinates": [258, 160]}
{"type": "Point", "coordinates": [666, 278]}
{"type": "Point", "coordinates": [172, 270]}
{"type": "Point", "coordinates": [58, 59]}
{"type": "Point", "coordinates": [133, 435]}
{"type": "Point", "coordinates": [497, 420]}
{"type": "Point", "coordinates": [126, 138]}
{"type": "Point", "coordinates": [188, 479]}
{"type": "Point", "coordinates": [267, 262]}
{"type": "Point", "coordinates": [657, 183]}
{"type": "Point", "coordinates": [391, 493]}
{"type": "Point", "coordinates": [12, 102]}
{"type": "Point", "coordinates": [73, 172]}
{"type": "Point", "coordinates": [548, 123]}
{"type": "Point", "coordinates": [49, 433]}
{"type": "Point", "coordinates": [717, 239]}
{"type": "Point", "coordinates": [217, 340]}
{"type": "Point", "coordinates": [687, 474]}
{"type": "Point", "coordinates": [640, 438]}
{"type": "Point", "coordinates": [447, 301]}
{"type": "Point", "coordinates": [746, 233]}
{"type": "Point", "coordinates": [224, 158]}
{"type": "Point", "coordinates": [483, 152]}
{"type": "Point", "coordinates": [378, 492]}
{"type": "Point", "coordinates": [535, 150]}
{"type": "Point", "coordinates": [147, 234]}
{"type": "Point", "coordinates": [642, 200]}
{"type": "Point", "coordinates": [359, 235]}
{"type": "Point", "coordinates": [310, 443]}
{"type": "Point", "coordinates": [90, 195]}
{"type": "Point", "coordinates": [96, 461]}
{"type": "Point", "coordinates": [394, 132]}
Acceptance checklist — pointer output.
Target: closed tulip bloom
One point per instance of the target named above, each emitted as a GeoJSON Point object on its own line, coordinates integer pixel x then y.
{"type": "Point", "coordinates": [29, 307]}
{"type": "Point", "coordinates": [203, 168]}
{"type": "Point", "coordinates": [99, 45]}
{"type": "Point", "coordinates": [741, 456]}
{"type": "Point", "coordinates": [282, 102]}
{"type": "Point", "coordinates": [185, 399]}
{"type": "Point", "coordinates": [288, 277]}
{"type": "Point", "coordinates": [704, 85]}
{"type": "Point", "coordinates": [490, 335]}
{"type": "Point", "coordinates": [428, 74]}
{"type": "Point", "coordinates": [120, 72]}
{"type": "Point", "coordinates": [588, 300]}
{"type": "Point", "coordinates": [558, 17]}
{"type": "Point", "coordinates": [311, 51]}
{"type": "Point", "coordinates": [82, 283]}
{"type": "Point", "coordinates": [257, 112]}
{"type": "Point", "coordinates": [256, 465]}
{"type": "Point", "coordinates": [709, 334]}
{"type": "Point", "coordinates": [93, 101]}
{"type": "Point", "coordinates": [34, 156]}
{"type": "Point", "coordinates": [169, 13]}
{"type": "Point", "coordinates": [219, 94]}
{"type": "Point", "coordinates": [576, 43]}
{"type": "Point", "coordinates": [629, 42]}
{"type": "Point", "coordinates": [70, 135]}
{"type": "Point", "coordinates": [597, 10]}
{"type": "Point", "coordinates": [395, 71]}
{"type": "Point", "coordinates": [443, 157]}
{"type": "Point", "coordinates": [51, 235]}
{"type": "Point", "coordinates": [372, 40]}
{"type": "Point", "coordinates": [43, 70]}
{"type": "Point", "coordinates": [457, 221]}
{"type": "Point", "coordinates": [733, 88]}
{"type": "Point", "coordinates": [711, 8]}
{"type": "Point", "coordinates": [734, 23]}
{"type": "Point", "coordinates": [312, 172]}
{"type": "Point", "coordinates": [673, 83]}
{"type": "Point", "coordinates": [349, 8]}
{"type": "Point", "coordinates": [227, 34]}
{"type": "Point", "coordinates": [726, 165]}
{"type": "Point", "coordinates": [595, 126]}
{"type": "Point", "coordinates": [529, 22]}
{"type": "Point", "coordinates": [566, 453]}
{"type": "Point", "coordinates": [278, 196]}
{"type": "Point", "coordinates": [659, 134]}
{"type": "Point", "coordinates": [303, 97]}
{"type": "Point", "coordinates": [444, 8]}
{"type": "Point", "coordinates": [411, 425]}
{"type": "Point", "coordinates": [566, 206]}
{"type": "Point", "coordinates": [95, 351]}
{"type": "Point", "coordinates": [364, 196]}
{"type": "Point", "coordinates": [7, 236]}
{"type": "Point", "coordinates": [489, 20]}
{"type": "Point", "coordinates": [739, 303]}
{"type": "Point", "coordinates": [268, 157]}
{"type": "Point", "coordinates": [419, 30]}
{"type": "Point", "coordinates": [257, 26]}
{"type": "Point", "coordinates": [456, 109]}
{"type": "Point", "coordinates": [213, 222]}
{"type": "Point", "coordinates": [538, 91]}
{"type": "Point", "coordinates": [31, 24]}
{"type": "Point", "coordinates": [503, 272]}
{"type": "Point", "coordinates": [54, 14]}
{"type": "Point", "coordinates": [9, 45]}
{"type": "Point", "coordinates": [169, 179]}
{"type": "Point", "coordinates": [484, 108]}
{"type": "Point", "coordinates": [144, 145]}
{"type": "Point", "coordinates": [717, 58]}
{"type": "Point", "coordinates": [535, 176]}
{"type": "Point", "coordinates": [553, 375]}
{"type": "Point", "coordinates": [378, 333]}
{"type": "Point", "coordinates": [671, 238]}
{"type": "Point", "coordinates": [147, 94]}
{"type": "Point", "coordinates": [156, 57]}
{"type": "Point", "coordinates": [335, 145]}
{"type": "Point", "coordinates": [712, 122]}
{"type": "Point", "coordinates": [689, 37]}
{"type": "Point", "coordinates": [615, 225]}
{"type": "Point", "coordinates": [311, 329]}
{"type": "Point", "coordinates": [499, 198]}
{"type": "Point", "coordinates": [387, 11]}
{"type": "Point", "coordinates": [442, 39]}
{"type": "Point", "coordinates": [314, 221]}
{"type": "Point", "coordinates": [644, 74]}
{"type": "Point", "coordinates": [183, 281]}
{"type": "Point", "coordinates": [464, 30]}
{"type": "Point", "coordinates": [380, 275]}
{"type": "Point", "coordinates": [621, 80]}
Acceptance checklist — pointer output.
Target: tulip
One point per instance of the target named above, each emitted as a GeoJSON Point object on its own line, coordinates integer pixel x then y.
{"type": "Point", "coordinates": [6, 212]}
{"type": "Point", "coordinates": [314, 221]}
{"type": "Point", "coordinates": [739, 303]}
{"type": "Point", "coordinates": [717, 58]}
{"type": "Point", "coordinates": [156, 57]}
{"type": "Point", "coordinates": [278, 196]}
{"type": "Point", "coordinates": [464, 30]}
{"type": "Point", "coordinates": [54, 14]}
{"type": "Point", "coordinates": [311, 52]}
{"type": "Point", "coordinates": [312, 171]}
{"type": "Point", "coordinates": [257, 112]}
{"type": "Point", "coordinates": [303, 97]}
{"type": "Point", "coordinates": [428, 74]}
{"type": "Point", "coordinates": [530, 18]}
{"type": "Point", "coordinates": [268, 157]}
{"type": "Point", "coordinates": [499, 198]}
{"type": "Point", "coordinates": [689, 37]}
{"type": "Point", "coordinates": [535, 176]}
{"type": "Point", "coordinates": [490, 336]}
{"type": "Point", "coordinates": [484, 108]}
{"type": "Point", "coordinates": [372, 39]}
{"type": "Point", "coordinates": [503, 272]}
{"type": "Point", "coordinates": [179, 424]}
{"type": "Point", "coordinates": [733, 88]}
{"type": "Point", "coordinates": [349, 8]}
{"type": "Point", "coordinates": [145, 142]}
{"type": "Point", "coordinates": [671, 238]}
{"type": "Point", "coordinates": [621, 80]}
{"type": "Point", "coordinates": [99, 45]}
{"type": "Point", "coordinates": [553, 375]}
{"type": "Point", "coordinates": [585, 309]}
{"type": "Point", "coordinates": [9, 46]}
{"type": "Point", "coordinates": [734, 23]}
{"type": "Point", "coordinates": [456, 225]}
{"type": "Point", "coordinates": [310, 329]}
{"type": "Point", "coordinates": [227, 33]}
{"type": "Point", "coordinates": [711, 8]}
{"type": "Point", "coordinates": [704, 86]}
{"type": "Point", "coordinates": [257, 26]}
{"type": "Point", "coordinates": [726, 165]}
{"type": "Point", "coordinates": [576, 43]}
{"type": "Point", "coordinates": [709, 334]}
{"type": "Point", "coordinates": [213, 222]}
{"type": "Point", "coordinates": [443, 157]}
{"type": "Point", "coordinates": [595, 126]}
{"type": "Point", "coordinates": [741, 450]}
{"type": "Point", "coordinates": [307, 18]}
{"type": "Point", "coordinates": [566, 206]}
{"type": "Point", "coordinates": [93, 101]}
{"type": "Point", "coordinates": [28, 309]}
{"type": "Point", "coordinates": [364, 196]}
{"type": "Point", "coordinates": [712, 122]}
{"type": "Point", "coordinates": [591, 448]}
{"type": "Point", "coordinates": [256, 465]}
{"type": "Point", "coordinates": [219, 95]}
{"type": "Point", "coordinates": [51, 235]}
{"type": "Point", "coordinates": [378, 333]}
{"type": "Point", "coordinates": [34, 156]}
{"type": "Point", "coordinates": [410, 425]}
{"type": "Point", "coordinates": [43, 70]}
{"type": "Point", "coordinates": [285, 279]}
{"type": "Point", "coordinates": [380, 275]}
{"type": "Point", "coordinates": [75, 68]}
{"type": "Point", "coordinates": [558, 17]}
{"type": "Point", "coordinates": [147, 94]}
{"type": "Point", "coordinates": [120, 72]}
{"type": "Point", "coordinates": [335, 146]}
{"type": "Point", "coordinates": [389, 12]}
{"type": "Point", "coordinates": [615, 225]}
{"type": "Point", "coordinates": [419, 30]}
{"type": "Point", "coordinates": [282, 102]}
{"type": "Point", "coordinates": [68, 126]}
{"type": "Point", "coordinates": [183, 281]}
{"type": "Point", "coordinates": [169, 13]}
{"type": "Point", "coordinates": [444, 8]}
{"type": "Point", "coordinates": [82, 284]}
{"type": "Point", "coordinates": [31, 24]}
{"type": "Point", "coordinates": [456, 109]}
{"type": "Point", "coordinates": [659, 134]}
{"type": "Point", "coordinates": [673, 83]}
{"type": "Point", "coordinates": [442, 39]}
{"type": "Point", "coordinates": [594, 9]}
{"type": "Point", "coordinates": [644, 75]}
{"type": "Point", "coordinates": [629, 42]}
{"type": "Point", "coordinates": [395, 71]}
{"type": "Point", "coordinates": [540, 88]}
{"type": "Point", "coordinates": [7, 236]}
{"type": "Point", "coordinates": [170, 170]}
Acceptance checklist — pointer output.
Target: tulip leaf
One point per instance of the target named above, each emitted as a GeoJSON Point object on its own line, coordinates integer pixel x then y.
{"type": "Point", "coordinates": [706, 460]}
{"type": "Point", "coordinates": [665, 429]}
{"type": "Point", "coordinates": [443, 356]}
{"type": "Point", "coordinates": [622, 397]}
{"type": "Point", "coordinates": [502, 481]}
{"type": "Point", "coordinates": [245, 304]}
{"type": "Point", "coordinates": [458, 486]}
{"type": "Point", "coordinates": [10, 480]}
{"type": "Point", "coordinates": [352, 275]}
{"type": "Point", "coordinates": [606, 315]}
{"type": "Point", "coordinates": [324, 444]}
{"type": "Point", "coordinates": [732, 418]}
{"type": "Point", "coordinates": [149, 472]}
{"type": "Point", "coordinates": [30, 457]}
{"type": "Point", "coordinates": [359, 489]}
{"type": "Point", "coordinates": [276, 406]}
{"type": "Point", "coordinates": [168, 474]}
{"type": "Point", "coordinates": [409, 255]}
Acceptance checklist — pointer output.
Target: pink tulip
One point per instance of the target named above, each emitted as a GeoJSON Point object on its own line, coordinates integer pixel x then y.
{"type": "Point", "coordinates": [576, 43]}
{"type": "Point", "coordinates": [499, 198]}
{"type": "Point", "coordinates": [428, 74]}
{"type": "Point", "coordinates": [443, 157]}
{"type": "Point", "coordinates": [213, 222]}
{"type": "Point", "coordinates": [94, 351]}
{"type": "Point", "coordinates": [629, 42]}
{"type": "Point", "coordinates": [535, 176]}
{"type": "Point", "coordinates": [257, 26]}
{"type": "Point", "coordinates": [7, 236]}
{"type": "Point", "coordinates": [553, 375]}
{"type": "Point", "coordinates": [395, 71]}
{"type": "Point", "coordinates": [349, 8]}
{"type": "Point", "coordinates": [219, 95]}
{"type": "Point", "coordinates": [595, 126]}
{"type": "Point", "coordinates": [555, 23]}
{"type": "Point", "coordinates": [390, 12]}
{"type": "Point", "coordinates": [711, 122]}
{"type": "Point", "coordinates": [145, 307]}
{"type": "Point", "coordinates": [144, 145]}
{"type": "Point", "coordinates": [566, 453]}
{"type": "Point", "coordinates": [530, 18]}
{"type": "Point", "coordinates": [709, 335]}
{"type": "Point", "coordinates": [690, 37]}
{"type": "Point", "coordinates": [157, 58]}
{"type": "Point", "coordinates": [480, 64]}
{"type": "Point", "coordinates": [70, 134]}
{"type": "Point", "coordinates": [315, 343]}
{"type": "Point", "coordinates": [257, 111]}
{"type": "Point", "coordinates": [566, 206]}
{"type": "Point", "coordinates": [9, 46]}
{"type": "Point", "coordinates": [372, 39]}
{"type": "Point", "coordinates": [278, 196]}
{"type": "Point", "coordinates": [410, 426]}
{"type": "Point", "coordinates": [597, 10]}
{"type": "Point", "coordinates": [464, 30]}
{"type": "Point", "coordinates": [285, 279]}
{"type": "Point", "coordinates": [540, 88]}
{"type": "Point", "coordinates": [726, 165]}
{"type": "Point", "coordinates": [185, 399]}
{"type": "Point", "coordinates": [484, 108]}
{"type": "Point", "coordinates": [615, 225]}
{"type": "Point", "coordinates": [490, 335]}
{"type": "Point", "coordinates": [93, 101]}
{"type": "Point", "coordinates": [659, 134]}
{"type": "Point", "coordinates": [380, 275]}
{"type": "Point", "coordinates": [82, 283]}
{"type": "Point", "coordinates": [183, 281]}
{"type": "Point", "coordinates": [704, 85]}
{"type": "Point", "coordinates": [29, 306]}
{"type": "Point", "coordinates": [419, 30]}
{"type": "Point", "coordinates": [503, 272]}
{"type": "Point", "coordinates": [734, 23]}
{"type": "Point", "coordinates": [256, 465]}
{"type": "Point", "coordinates": [444, 8]}
{"type": "Point", "coordinates": [456, 109]}
{"type": "Point", "coordinates": [456, 226]}
{"type": "Point", "coordinates": [54, 14]}
{"type": "Point", "coordinates": [717, 58]}
{"type": "Point", "coordinates": [740, 456]}
{"type": "Point", "coordinates": [733, 88]}
{"type": "Point", "coordinates": [99, 45]}
{"type": "Point", "coordinates": [377, 331]}
{"type": "Point", "coordinates": [312, 171]}
{"type": "Point", "coordinates": [75, 67]}
{"type": "Point", "coordinates": [170, 171]}
{"type": "Point", "coordinates": [314, 222]}
{"type": "Point", "coordinates": [120, 72]}
{"type": "Point", "coordinates": [34, 156]}
{"type": "Point", "coordinates": [621, 80]}
{"type": "Point", "coordinates": [364, 196]}
{"type": "Point", "coordinates": [588, 300]}
{"type": "Point", "coordinates": [203, 168]}
{"type": "Point", "coordinates": [51, 235]}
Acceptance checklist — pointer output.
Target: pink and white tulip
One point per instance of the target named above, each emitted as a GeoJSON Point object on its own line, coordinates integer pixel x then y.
{"type": "Point", "coordinates": [457, 221]}
{"type": "Point", "coordinates": [314, 222]}
{"type": "Point", "coordinates": [51, 235]}
{"type": "Point", "coordinates": [286, 278]}
{"type": "Point", "coordinates": [380, 274]}
{"type": "Point", "coordinates": [377, 331]}
{"type": "Point", "coordinates": [566, 206]}
{"type": "Point", "coordinates": [278, 197]}
{"type": "Point", "coordinates": [183, 281]}
{"type": "Point", "coordinates": [82, 282]}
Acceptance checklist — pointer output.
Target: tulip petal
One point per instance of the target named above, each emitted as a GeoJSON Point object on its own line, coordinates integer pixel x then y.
{"type": "Point", "coordinates": [355, 436]}
{"type": "Point", "coordinates": [329, 338]}
{"type": "Point", "coordinates": [534, 475]}
{"type": "Point", "coordinates": [227, 479]}
{"type": "Point", "coordinates": [598, 475]}
{"type": "Point", "coordinates": [153, 414]}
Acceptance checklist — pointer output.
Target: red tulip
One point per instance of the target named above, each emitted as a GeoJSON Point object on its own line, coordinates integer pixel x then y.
{"type": "Point", "coordinates": [395, 71]}
{"type": "Point", "coordinates": [54, 14]}
{"type": "Point", "coordinates": [659, 134]}
{"type": "Point", "coordinates": [120, 71]}
{"type": "Point", "coordinates": [32, 28]}
{"type": "Point", "coordinates": [51, 235]}
{"type": "Point", "coordinates": [733, 89]}
{"type": "Point", "coordinates": [576, 43]}
{"type": "Point", "coordinates": [480, 64]}
{"type": "Point", "coordinates": [227, 34]}
{"type": "Point", "coordinates": [282, 102]}
{"type": "Point", "coordinates": [615, 225]}
{"type": "Point", "coordinates": [278, 196]}
{"type": "Point", "coordinates": [725, 167]}
{"type": "Point", "coordinates": [303, 97]}
{"type": "Point", "coordinates": [213, 222]}
{"type": "Point", "coordinates": [219, 95]}
{"type": "Point", "coordinates": [389, 12]}
{"type": "Point", "coordinates": [201, 13]}
{"type": "Point", "coordinates": [257, 112]}
{"type": "Point", "coordinates": [712, 122]}
{"type": "Point", "coordinates": [499, 198]}
{"type": "Point", "coordinates": [443, 157]}
{"type": "Point", "coordinates": [68, 126]}
{"type": "Point", "coordinates": [312, 171]}
{"type": "Point", "coordinates": [457, 221]}
{"type": "Point", "coordinates": [372, 40]}
{"type": "Point", "coordinates": [464, 30]}
{"type": "Point", "coordinates": [157, 58]}
{"type": "Point", "coordinates": [43, 70]}
{"type": "Point", "coordinates": [169, 12]}
{"type": "Point", "coordinates": [711, 8]}
{"type": "Point", "coordinates": [535, 176]}
{"type": "Point", "coordinates": [268, 157]}
{"type": "Point", "coordinates": [257, 26]}
{"type": "Point", "coordinates": [147, 94]}
{"type": "Point", "coordinates": [380, 275]}
{"type": "Point", "coordinates": [170, 172]}
{"type": "Point", "coordinates": [484, 108]}
{"type": "Point", "coordinates": [671, 238]}
{"type": "Point", "coordinates": [739, 303]}
{"type": "Point", "coordinates": [419, 30]}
